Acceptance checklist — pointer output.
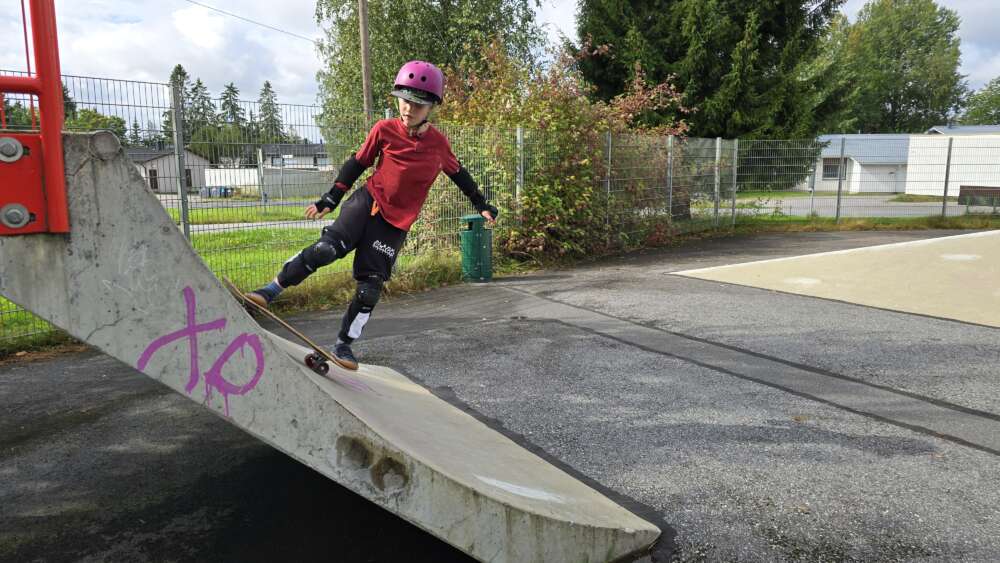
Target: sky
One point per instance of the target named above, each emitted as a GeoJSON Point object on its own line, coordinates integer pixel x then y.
{"type": "Point", "coordinates": [140, 40]}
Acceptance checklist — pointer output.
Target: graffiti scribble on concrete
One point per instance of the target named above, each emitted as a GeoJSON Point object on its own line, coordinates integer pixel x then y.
{"type": "Point", "coordinates": [214, 381]}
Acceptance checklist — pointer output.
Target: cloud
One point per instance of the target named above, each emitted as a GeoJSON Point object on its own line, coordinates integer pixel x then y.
{"type": "Point", "coordinates": [130, 40]}
{"type": "Point", "coordinates": [200, 27]}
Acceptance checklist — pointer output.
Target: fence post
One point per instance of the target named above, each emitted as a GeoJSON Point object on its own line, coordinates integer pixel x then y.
{"type": "Point", "coordinates": [260, 175]}
{"type": "Point", "coordinates": [607, 184]}
{"type": "Point", "coordinates": [947, 173]}
{"type": "Point", "coordinates": [519, 183]}
{"type": "Point", "coordinates": [718, 156]}
{"type": "Point", "coordinates": [388, 113]}
{"type": "Point", "coordinates": [840, 177]}
{"type": "Point", "coordinates": [281, 182]}
{"type": "Point", "coordinates": [670, 178]}
{"type": "Point", "coordinates": [812, 190]}
{"type": "Point", "coordinates": [176, 104]}
{"type": "Point", "coordinates": [736, 161]}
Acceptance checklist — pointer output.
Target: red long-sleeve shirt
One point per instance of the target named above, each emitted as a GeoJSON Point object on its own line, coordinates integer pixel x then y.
{"type": "Point", "coordinates": [407, 167]}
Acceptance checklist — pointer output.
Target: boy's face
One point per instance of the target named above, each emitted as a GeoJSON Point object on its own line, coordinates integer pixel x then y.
{"type": "Point", "coordinates": [411, 113]}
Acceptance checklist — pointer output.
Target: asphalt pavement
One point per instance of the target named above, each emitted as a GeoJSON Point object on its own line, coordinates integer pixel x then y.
{"type": "Point", "coordinates": [750, 425]}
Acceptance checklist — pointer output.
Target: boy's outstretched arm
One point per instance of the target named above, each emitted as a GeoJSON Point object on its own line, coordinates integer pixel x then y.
{"type": "Point", "coordinates": [464, 181]}
{"type": "Point", "coordinates": [349, 173]}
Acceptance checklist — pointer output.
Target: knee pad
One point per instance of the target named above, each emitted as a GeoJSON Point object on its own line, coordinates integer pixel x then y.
{"type": "Point", "coordinates": [322, 253]}
{"type": "Point", "coordinates": [369, 291]}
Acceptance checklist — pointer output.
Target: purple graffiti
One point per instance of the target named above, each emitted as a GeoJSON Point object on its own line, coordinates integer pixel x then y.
{"type": "Point", "coordinates": [213, 377]}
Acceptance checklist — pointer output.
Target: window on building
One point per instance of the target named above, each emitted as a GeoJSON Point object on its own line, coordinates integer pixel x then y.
{"type": "Point", "coordinates": [187, 177]}
{"type": "Point", "coordinates": [153, 184]}
{"type": "Point", "coordinates": [831, 168]}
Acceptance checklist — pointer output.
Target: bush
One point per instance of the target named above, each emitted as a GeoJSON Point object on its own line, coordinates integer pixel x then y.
{"type": "Point", "coordinates": [566, 205]}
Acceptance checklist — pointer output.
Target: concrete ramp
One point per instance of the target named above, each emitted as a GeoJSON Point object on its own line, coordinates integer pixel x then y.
{"type": "Point", "coordinates": [127, 282]}
{"type": "Point", "coordinates": [947, 277]}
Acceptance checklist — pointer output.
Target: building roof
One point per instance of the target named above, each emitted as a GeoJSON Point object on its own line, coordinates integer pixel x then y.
{"type": "Point", "coordinates": [873, 148]}
{"type": "Point", "coordinates": [964, 130]}
{"type": "Point", "coordinates": [145, 154]}
{"type": "Point", "coordinates": [140, 155]}
{"type": "Point", "coordinates": [311, 149]}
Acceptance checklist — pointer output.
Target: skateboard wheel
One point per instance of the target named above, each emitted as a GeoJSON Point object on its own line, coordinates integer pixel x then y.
{"type": "Point", "coordinates": [317, 364]}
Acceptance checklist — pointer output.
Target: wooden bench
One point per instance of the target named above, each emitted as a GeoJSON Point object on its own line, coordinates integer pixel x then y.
{"type": "Point", "coordinates": [979, 195]}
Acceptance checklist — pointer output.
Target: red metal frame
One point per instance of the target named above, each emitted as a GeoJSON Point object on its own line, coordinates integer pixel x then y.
{"type": "Point", "coordinates": [47, 191]}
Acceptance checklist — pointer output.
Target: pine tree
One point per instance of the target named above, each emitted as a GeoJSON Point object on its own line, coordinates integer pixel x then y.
{"type": "Point", "coordinates": [738, 63]}
{"type": "Point", "coordinates": [231, 112]}
{"type": "Point", "coordinates": [271, 127]}
{"type": "Point", "coordinates": [135, 135]}
{"type": "Point", "coordinates": [201, 110]}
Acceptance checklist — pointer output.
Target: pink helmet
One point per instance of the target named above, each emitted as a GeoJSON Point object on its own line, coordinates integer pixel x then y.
{"type": "Point", "coordinates": [420, 83]}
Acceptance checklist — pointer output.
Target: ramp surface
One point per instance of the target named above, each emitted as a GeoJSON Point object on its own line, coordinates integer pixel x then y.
{"type": "Point", "coordinates": [949, 277]}
{"type": "Point", "coordinates": [127, 282]}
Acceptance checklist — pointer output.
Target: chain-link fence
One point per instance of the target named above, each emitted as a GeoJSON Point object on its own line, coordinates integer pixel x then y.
{"type": "Point", "coordinates": [237, 175]}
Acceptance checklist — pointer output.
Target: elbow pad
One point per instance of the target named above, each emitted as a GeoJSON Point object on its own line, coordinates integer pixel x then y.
{"type": "Point", "coordinates": [349, 172]}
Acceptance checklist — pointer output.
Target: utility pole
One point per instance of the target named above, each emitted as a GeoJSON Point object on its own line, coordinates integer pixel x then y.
{"type": "Point", "coordinates": [366, 71]}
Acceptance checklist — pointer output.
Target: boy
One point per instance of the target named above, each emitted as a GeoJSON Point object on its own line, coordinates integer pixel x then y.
{"type": "Point", "coordinates": [410, 153]}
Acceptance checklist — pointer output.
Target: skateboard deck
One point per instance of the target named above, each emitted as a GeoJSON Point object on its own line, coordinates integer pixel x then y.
{"type": "Point", "coordinates": [318, 361]}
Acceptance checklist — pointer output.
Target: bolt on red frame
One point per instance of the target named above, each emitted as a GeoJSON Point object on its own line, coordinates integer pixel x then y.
{"type": "Point", "coordinates": [32, 175]}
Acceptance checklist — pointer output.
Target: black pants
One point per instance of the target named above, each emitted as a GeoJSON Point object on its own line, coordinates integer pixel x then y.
{"type": "Point", "coordinates": [375, 242]}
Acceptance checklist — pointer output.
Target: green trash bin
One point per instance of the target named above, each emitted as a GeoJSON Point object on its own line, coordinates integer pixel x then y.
{"type": "Point", "coordinates": [477, 250]}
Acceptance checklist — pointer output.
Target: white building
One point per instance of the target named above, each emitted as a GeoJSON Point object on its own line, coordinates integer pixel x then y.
{"type": "Point", "coordinates": [158, 167]}
{"type": "Point", "coordinates": [912, 164]}
{"type": "Point", "coordinates": [975, 161]}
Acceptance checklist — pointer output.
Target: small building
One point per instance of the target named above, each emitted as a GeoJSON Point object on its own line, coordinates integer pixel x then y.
{"type": "Point", "coordinates": [158, 167]}
{"type": "Point", "coordinates": [974, 161]}
{"type": "Point", "coordinates": [912, 164]}
{"type": "Point", "coordinates": [873, 163]}
{"type": "Point", "coordinates": [299, 156]}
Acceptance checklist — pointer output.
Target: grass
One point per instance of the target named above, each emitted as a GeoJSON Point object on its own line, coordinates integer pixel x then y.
{"type": "Point", "coordinates": [226, 215]}
{"type": "Point", "coordinates": [251, 258]}
{"type": "Point", "coordinates": [791, 224]}
{"type": "Point", "coordinates": [915, 198]}
{"type": "Point", "coordinates": [778, 194]}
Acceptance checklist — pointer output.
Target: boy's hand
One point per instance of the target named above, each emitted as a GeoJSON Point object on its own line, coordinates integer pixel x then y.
{"type": "Point", "coordinates": [490, 213]}
{"type": "Point", "coordinates": [313, 213]}
{"type": "Point", "coordinates": [327, 203]}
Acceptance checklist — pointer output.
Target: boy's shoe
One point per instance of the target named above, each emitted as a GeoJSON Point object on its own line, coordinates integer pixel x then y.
{"type": "Point", "coordinates": [345, 357]}
{"type": "Point", "coordinates": [257, 298]}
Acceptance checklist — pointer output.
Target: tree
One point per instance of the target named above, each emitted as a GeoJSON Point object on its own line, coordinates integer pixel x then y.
{"type": "Point", "coordinates": [984, 105]}
{"type": "Point", "coordinates": [445, 32]}
{"type": "Point", "coordinates": [905, 56]}
{"type": "Point", "coordinates": [829, 107]}
{"type": "Point", "coordinates": [91, 120]}
{"type": "Point", "coordinates": [270, 126]}
{"type": "Point", "coordinates": [178, 77]}
{"type": "Point", "coordinates": [224, 144]}
{"type": "Point", "coordinates": [18, 116]}
{"type": "Point", "coordinates": [633, 32]}
{"type": "Point", "coordinates": [135, 135]}
{"type": "Point", "coordinates": [230, 111]}
{"type": "Point", "coordinates": [737, 62]}
{"type": "Point", "coordinates": [200, 110]}
{"type": "Point", "coordinates": [69, 106]}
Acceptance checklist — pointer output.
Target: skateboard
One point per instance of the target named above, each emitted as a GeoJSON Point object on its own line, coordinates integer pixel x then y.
{"type": "Point", "coordinates": [318, 361]}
